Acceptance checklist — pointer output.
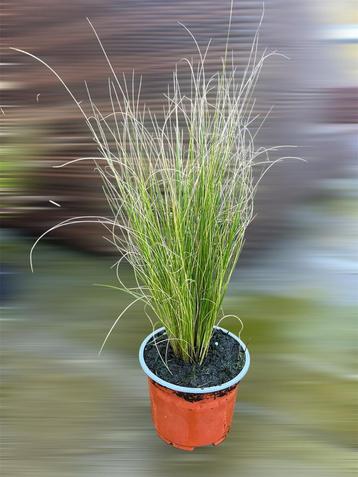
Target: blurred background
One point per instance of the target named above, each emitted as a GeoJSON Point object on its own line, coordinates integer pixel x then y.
{"type": "Point", "coordinates": [67, 413]}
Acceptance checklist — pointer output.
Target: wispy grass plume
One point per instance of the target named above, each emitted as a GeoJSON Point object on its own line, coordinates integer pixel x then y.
{"type": "Point", "coordinates": [180, 189]}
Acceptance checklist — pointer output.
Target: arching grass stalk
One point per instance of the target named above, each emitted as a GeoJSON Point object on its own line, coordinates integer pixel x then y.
{"type": "Point", "coordinates": [180, 189]}
{"type": "Point", "coordinates": [185, 187]}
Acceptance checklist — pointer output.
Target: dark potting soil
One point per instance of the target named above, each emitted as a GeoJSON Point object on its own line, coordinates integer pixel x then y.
{"type": "Point", "coordinates": [224, 361]}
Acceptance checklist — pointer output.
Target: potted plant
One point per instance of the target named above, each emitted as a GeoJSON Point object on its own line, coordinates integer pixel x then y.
{"type": "Point", "coordinates": [181, 193]}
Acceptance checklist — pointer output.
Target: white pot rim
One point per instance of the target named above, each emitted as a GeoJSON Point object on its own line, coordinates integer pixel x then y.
{"type": "Point", "coordinates": [184, 389]}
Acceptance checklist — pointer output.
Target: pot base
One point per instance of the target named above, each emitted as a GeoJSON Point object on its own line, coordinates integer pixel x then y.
{"type": "Point", "coordinates": [190, 449]}
{"type": "Point", "coordinates": [177, 446]}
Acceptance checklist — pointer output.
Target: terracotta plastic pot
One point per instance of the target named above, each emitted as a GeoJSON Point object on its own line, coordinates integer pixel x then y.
{"type": "Point", "coordinates": [192, 417]}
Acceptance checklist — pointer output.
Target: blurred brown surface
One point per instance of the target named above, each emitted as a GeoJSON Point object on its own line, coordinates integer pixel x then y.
{"type": "Point", "coordinates": [144, 35]}
{"type": "Point", "coordinates": [139, 35]}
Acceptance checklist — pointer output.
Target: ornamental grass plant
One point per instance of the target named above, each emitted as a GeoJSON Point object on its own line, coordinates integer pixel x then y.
{"type": "Point", "coordinates": [180, 188]}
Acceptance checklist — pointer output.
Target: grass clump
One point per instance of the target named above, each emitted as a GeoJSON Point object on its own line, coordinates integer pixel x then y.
{"type": "Point", "coordinates": [180, 189]}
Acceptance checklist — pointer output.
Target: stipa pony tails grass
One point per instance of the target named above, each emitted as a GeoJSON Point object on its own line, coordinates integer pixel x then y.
{"type": "Point", "coordinates": [180, 189]}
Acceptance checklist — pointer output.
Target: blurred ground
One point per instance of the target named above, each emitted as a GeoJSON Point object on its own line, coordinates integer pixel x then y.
{"type": "Point", "coordinates": [68, 413]}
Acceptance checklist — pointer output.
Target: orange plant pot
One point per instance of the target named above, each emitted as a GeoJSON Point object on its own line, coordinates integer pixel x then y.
{"type": "Point", "coordinates": [188, 424]}
{"type": "Point", "coordinates": [192, 417]}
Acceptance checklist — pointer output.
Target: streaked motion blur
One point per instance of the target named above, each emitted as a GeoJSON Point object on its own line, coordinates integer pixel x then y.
{"type": "Point", "coordinates": [67, 413]}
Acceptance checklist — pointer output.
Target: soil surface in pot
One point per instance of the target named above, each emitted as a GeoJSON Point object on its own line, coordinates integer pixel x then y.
{"type": "Point", "coordinates": [224, 361]}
